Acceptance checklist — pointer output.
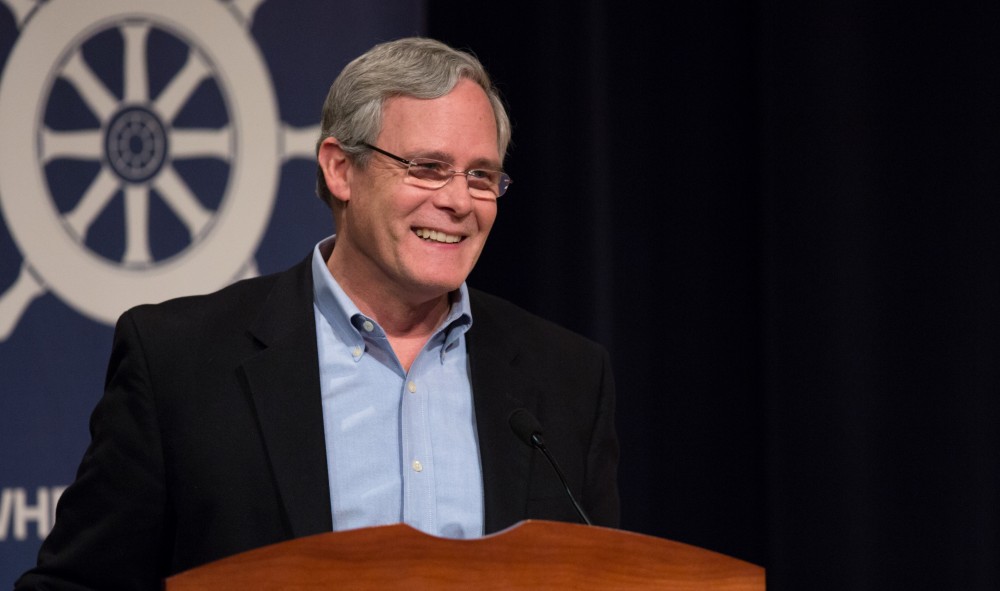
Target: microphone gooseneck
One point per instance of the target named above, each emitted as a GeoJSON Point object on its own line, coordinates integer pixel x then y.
{"type": "Point", "coordinates": [529, 430]}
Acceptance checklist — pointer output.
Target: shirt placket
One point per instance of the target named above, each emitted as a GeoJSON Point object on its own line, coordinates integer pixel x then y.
{"type": "Point", "coordinates": [418, 467]}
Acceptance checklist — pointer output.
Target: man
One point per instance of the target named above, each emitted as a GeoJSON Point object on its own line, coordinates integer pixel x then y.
{"type": "Point", "coordinates": [366, 385]}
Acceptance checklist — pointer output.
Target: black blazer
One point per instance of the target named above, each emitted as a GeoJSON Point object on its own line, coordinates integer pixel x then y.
{"type": "Point", "coordinates": [209, 438]}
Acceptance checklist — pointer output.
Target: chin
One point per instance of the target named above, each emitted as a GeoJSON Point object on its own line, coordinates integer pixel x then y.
{"type": "Point", "coordinates": [432, 288]}
{"type": "Point", "coordinates": [445, 276]}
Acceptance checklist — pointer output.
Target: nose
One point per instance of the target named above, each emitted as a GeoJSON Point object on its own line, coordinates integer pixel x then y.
{"type": "Point", "coordinates": [455, 196]}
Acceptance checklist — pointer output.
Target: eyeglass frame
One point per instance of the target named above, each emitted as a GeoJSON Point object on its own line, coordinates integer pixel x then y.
{"type": "Point", "coordinates": [502, 186]}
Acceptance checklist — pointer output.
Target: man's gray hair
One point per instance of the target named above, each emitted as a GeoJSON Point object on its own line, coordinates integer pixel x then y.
{"type": "Point", "coordinates": [416, 67]}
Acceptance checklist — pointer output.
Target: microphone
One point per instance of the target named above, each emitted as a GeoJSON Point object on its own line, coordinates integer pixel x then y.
{"type": "Point", "coordinates": [527, 428]}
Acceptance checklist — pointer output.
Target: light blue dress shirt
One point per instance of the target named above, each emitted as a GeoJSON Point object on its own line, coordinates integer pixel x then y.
{"type": "Point", "coordinates": [400, 446]}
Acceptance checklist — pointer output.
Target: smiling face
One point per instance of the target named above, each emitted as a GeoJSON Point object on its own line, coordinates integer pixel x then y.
{"type": "Point", "coordinates": [404, 242]}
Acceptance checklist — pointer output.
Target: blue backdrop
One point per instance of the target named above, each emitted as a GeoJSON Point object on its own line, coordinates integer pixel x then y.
{"type": "Point", "coordinates": [146, 150]}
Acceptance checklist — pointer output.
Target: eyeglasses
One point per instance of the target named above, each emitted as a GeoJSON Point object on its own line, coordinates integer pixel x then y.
{"type": "Point", "coordinates": [428, 173]}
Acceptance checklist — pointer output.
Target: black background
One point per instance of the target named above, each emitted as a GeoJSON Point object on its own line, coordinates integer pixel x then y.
{"type": "Point", "coordinates": [782, 220]}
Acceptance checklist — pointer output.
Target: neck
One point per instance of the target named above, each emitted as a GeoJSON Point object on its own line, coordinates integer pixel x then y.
{"type": "Point", "coordinates": [407, 320]}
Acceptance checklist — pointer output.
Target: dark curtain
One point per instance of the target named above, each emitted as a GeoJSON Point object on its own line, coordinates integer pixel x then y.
{"type": "Point", "coordinates": [783, 220]}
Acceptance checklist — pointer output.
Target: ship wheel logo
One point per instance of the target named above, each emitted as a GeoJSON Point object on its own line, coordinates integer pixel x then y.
{"type": "Point", "coordinates": [122, 182]}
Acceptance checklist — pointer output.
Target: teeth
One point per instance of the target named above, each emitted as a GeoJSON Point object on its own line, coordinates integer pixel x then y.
{"type": "Point", "coordinates": [437, 236]}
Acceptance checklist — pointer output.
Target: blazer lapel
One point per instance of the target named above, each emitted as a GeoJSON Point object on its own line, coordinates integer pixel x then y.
{"type": "Point", "coordinates": [283, 380]}
{"type": "Point", "coordinates": [499, 387]}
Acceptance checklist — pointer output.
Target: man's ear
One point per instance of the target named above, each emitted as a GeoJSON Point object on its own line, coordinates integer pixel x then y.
{"type": "Point", "coordinates": [337, 169]}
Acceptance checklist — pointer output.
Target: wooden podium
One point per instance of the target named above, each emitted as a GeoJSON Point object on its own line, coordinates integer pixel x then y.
{"type": "Point", "coordinates": [530, 555]}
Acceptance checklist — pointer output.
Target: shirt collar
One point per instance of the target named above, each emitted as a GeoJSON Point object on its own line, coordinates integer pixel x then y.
{"type": "Point", "coordinates": [345, 317]}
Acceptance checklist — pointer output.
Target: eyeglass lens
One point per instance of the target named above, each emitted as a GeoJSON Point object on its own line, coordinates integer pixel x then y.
{"type": "Point", "coordinates": [435, 174]}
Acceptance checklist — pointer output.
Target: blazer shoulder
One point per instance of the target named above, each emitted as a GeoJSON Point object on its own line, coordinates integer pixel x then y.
{"type": "Point", "coordinates": [236, 302]}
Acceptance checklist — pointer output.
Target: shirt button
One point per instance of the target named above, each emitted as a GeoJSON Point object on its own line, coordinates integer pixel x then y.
{"type": "Point", "coordinates": [417, 466]}
{"type": "Point", "coordinates": [412, 387]}
{"type": "Point", "coordinates": [356, 352]}
{"type": "Point", "coordinates": [368, 326]}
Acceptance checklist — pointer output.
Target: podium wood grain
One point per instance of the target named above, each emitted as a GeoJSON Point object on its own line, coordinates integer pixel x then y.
{"type": "Point", "coordinates": [530, 555]}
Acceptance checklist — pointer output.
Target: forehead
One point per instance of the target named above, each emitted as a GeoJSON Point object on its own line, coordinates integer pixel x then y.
{"type": "Point", "coordinates": [460, 124]}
